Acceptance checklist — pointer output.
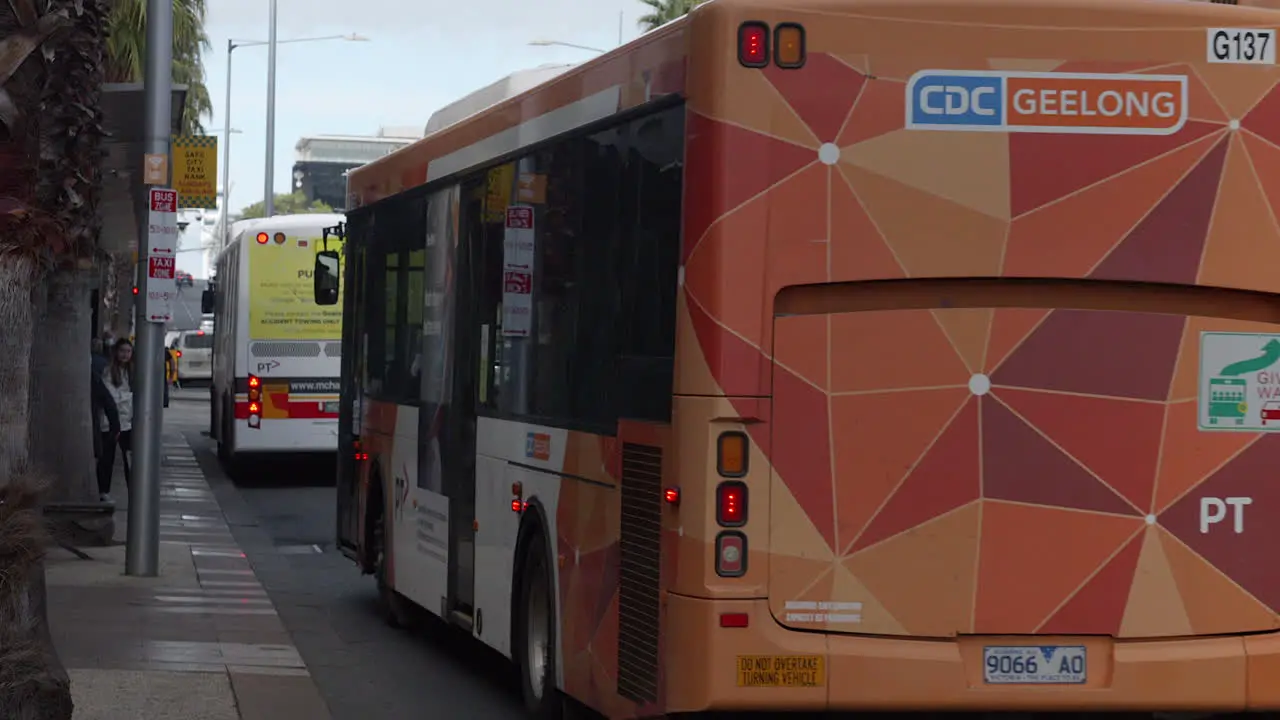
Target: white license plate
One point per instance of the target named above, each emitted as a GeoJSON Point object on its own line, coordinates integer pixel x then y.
{"type": "Point", "coordinates": [1034, 664]}
{"type": "Point", "coordinates": [331, 407]}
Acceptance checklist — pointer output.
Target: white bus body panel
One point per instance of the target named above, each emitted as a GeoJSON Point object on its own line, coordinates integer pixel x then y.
{"type": "Point", "coordinates": [276, 358]}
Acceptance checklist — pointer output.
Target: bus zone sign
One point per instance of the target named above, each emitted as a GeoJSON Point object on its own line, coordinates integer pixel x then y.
{"type": "Point", "coordinates": [1076, 103]}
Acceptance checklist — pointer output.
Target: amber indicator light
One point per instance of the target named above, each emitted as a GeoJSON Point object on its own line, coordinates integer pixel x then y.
{"type": "Point", "coordinates": [788, 46]}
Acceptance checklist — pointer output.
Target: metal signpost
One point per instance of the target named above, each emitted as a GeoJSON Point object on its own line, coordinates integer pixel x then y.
{"type": "Point", "coordinates": [269, 201]}
{"type": "Point", "coordinates": [142, 556]}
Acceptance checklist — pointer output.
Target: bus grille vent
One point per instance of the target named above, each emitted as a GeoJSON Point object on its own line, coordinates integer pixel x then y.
{"type": "Point", "coordinates": [1225, 2]}
{"type": "Point", "coordinates": [285, 349]}
{"type": "Point", "coordinates": [638, 601]}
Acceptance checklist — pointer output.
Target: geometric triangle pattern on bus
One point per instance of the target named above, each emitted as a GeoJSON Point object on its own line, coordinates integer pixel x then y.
{"type": "Point", "coordinates": [1002, 469]}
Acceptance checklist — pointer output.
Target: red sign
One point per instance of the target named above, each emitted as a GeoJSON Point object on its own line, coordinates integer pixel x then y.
{"type": "Point", "coordinates": [520, 216]}
{"type": "Point", "coordinates": [538, 446]}
{"type": "Point", "coordinates": [161, 268]}
{"type": "Point", "coordinates": [164, 201]}
{"type": "Point", "coordinates": [518, 283]}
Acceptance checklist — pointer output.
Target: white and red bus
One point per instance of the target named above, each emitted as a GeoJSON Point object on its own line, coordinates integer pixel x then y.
{"type": "Point", "coordinates": [276, 355]}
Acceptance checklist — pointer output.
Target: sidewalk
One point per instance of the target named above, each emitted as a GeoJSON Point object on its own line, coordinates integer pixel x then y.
{"type": "Point", "coordinates": [200, 642]}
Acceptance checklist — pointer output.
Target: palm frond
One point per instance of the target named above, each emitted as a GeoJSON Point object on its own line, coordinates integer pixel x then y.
{"type": "Point", "coordinates": [126, 52]}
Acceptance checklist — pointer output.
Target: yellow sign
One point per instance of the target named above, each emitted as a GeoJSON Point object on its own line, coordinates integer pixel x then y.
{"type": "Point", "coordinates": [282, 302]}
{"type": "Point", "coordinates": [498, 192]}
{"type": "Point", "coordinates": [195, 171]}
{"type": "Point", "coordinates": [782, 671]}
{"type": "Point", "coordinates": [155, 169]}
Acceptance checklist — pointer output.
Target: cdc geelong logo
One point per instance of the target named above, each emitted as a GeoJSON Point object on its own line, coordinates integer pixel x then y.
{"type": "Point", "coordinates": [1089, 103]}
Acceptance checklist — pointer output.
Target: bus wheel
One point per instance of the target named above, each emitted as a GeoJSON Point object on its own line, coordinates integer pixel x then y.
{"type": "Point", "coordinates": [391, 604]}
{"type": "Point", "coordinates": [536, 636]}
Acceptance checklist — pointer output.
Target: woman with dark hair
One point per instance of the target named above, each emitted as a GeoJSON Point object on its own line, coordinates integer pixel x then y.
{"type": "Point", "coordinates": [118, 378]}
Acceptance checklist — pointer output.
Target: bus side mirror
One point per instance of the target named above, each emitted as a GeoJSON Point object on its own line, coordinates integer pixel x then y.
{"type": "Point", "coordinates": [207, 300]}
{"type": "Point", "coordinates": [326, 277]}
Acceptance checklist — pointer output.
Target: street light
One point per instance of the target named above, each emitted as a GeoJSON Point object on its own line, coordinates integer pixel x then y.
{"type": "Point", "coordinates": [544, 43]}
{"type": "Point", "coordinates": [227, 131]}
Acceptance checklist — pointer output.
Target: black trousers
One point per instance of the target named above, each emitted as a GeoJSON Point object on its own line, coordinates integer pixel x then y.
{"type": "Point", "coordinates": [107, 458]}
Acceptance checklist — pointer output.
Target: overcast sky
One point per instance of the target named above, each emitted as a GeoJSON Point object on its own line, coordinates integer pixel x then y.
{"type": "Point", "coordinates": [422, 54]}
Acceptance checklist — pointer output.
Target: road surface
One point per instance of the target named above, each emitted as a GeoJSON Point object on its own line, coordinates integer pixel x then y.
{"type": "Point", "coordinates": [364, 668]}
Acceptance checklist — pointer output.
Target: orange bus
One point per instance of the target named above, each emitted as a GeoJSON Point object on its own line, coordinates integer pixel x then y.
{"type": "Point", "coordinates": [839, 355]}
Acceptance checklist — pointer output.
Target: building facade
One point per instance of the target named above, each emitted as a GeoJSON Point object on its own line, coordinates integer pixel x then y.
{"type": "Point", "coordinates": [322, 161]}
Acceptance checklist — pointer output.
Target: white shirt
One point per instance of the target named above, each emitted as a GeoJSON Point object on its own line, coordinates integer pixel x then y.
{"type": "Point", "coordinates": [123, 395]}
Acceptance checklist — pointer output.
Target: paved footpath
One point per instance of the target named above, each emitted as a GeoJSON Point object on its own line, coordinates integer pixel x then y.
{"type": "Point", "coordinates": [200, 642]}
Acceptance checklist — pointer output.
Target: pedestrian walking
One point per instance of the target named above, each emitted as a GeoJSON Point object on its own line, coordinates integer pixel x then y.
{"type": "Point", "coordinates": [118, 379]}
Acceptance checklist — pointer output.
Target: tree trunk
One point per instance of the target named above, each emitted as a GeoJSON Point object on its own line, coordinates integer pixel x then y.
{"type": "Point", "coordinates": [61, 440]}
{"type": "Point", "coordinates": [33, 682]}
{"type": "Point", "coordinates": [17, 279]}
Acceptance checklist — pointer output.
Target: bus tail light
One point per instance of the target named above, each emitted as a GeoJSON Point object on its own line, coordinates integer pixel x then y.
{"type": "Point", "coordinates": [177, 353]}
{"type": "Point", "coordinates": [279, 238]}
{"type": "Point", "coordinates": [671, 495]}
{"type": "Point", "coordinates": [731, 554]}
{"type": "Point", "coordinates": [518, 503]}
{"type": "Point", "coordinates": [731, 454]}
{"type": "Point", "coordinates": [734, 620]}
{"type": "Point", "coordinates": [731, 504]}
{"type": "Point", "coordinates": [255, 415]}
{"type": "Point", "coordinates": [357, 451]}
{"type": "Point", "coordinates": [788, 46]}
{"type": "Point", "coordinates": [753, 44]}
{"type": "Point", "coordinates": [262, 238]}
{"type": "Point", "coordinates": [255, 389]}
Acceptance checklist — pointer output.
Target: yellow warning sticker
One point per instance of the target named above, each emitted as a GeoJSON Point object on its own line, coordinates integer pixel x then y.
{"type": "Point", "coordinates": [782, 671]}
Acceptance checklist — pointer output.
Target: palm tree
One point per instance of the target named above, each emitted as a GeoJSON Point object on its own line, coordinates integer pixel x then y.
{"type": "Point", "coordinates": [39, 97]}
{"type": "Point", "coordinates": [664, 11]}
{"type": "Point", "coordinates": [126, 48]}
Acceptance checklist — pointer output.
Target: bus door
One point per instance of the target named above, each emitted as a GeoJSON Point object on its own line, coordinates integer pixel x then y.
{"type": "Point", "coordinates": [452, 351]}
{"type": "Point", "coordinates": [348, 480]}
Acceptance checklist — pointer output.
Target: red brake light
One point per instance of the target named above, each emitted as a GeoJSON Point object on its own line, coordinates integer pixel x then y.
{"type": "Point", "coordinates": [263, 238]}
{"type": "Point", "coordinates": [135, 289]}
{"type": "Point", "coordinates": [177, 353]}
{"type": "Point", "coordinates": [199, 332]}
{"type": "Point", "coordinates": [254, 381]}
{"type": "Point", "coordinates": [672, 496]}
{"type": "Point", "coordinates": [731, 504]}
{"type": "Point", "coordinates": [734, 620]}
{"type": "Point", "coordinates": [255, 408]}
{"type": "Point", "coordinates": [753, 44]}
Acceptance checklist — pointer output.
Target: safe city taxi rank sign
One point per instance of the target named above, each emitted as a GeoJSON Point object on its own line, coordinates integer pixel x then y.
{"type": "Point", "coordinates": [1089, 103]}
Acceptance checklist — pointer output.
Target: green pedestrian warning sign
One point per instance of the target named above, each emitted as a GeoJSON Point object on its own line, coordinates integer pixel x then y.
{"type": "Point", "coordinates": [1239, 382]}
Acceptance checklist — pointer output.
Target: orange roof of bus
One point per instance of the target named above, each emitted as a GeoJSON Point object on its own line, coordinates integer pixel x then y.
{"type": "Point", "coordinates": [655, 54]}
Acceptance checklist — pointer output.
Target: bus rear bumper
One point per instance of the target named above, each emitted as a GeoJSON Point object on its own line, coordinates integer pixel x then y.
{"type": "Point", "coordinates": [1219, 674]}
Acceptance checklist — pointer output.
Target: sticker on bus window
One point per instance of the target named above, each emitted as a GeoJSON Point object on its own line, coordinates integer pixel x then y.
{"type": "Point", "coordinates": [782, 671]}
{"type": "Point", "coordinates": [1239, 382]}
{"type": "Point", "coordinates": [1068, 103]}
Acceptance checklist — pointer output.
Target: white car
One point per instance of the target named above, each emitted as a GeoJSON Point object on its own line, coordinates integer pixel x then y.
{"type": "Point", "coordinates": [194, 350]}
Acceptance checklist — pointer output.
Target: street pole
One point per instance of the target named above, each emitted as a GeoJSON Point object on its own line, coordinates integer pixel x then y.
{"type": "Point", "coordinates": [226, 155]}
{"type": "Point", "coordinates": [142, 555]}
{"type": "Point", "coordinates": [270, 200]}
